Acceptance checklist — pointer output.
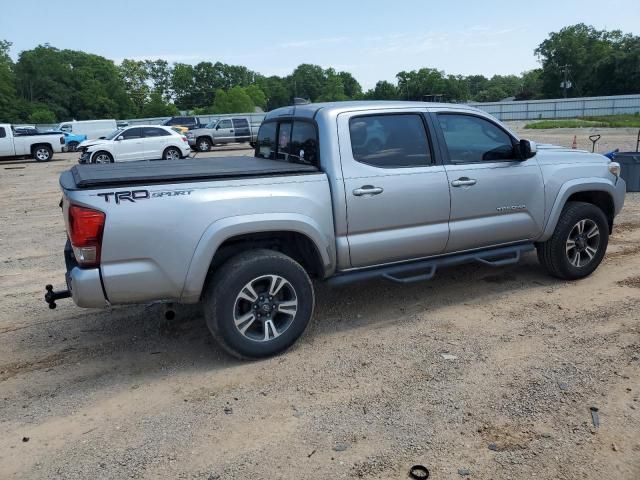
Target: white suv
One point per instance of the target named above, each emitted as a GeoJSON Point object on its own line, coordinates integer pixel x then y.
{"type": "Point", "coordinates": [139, 142]}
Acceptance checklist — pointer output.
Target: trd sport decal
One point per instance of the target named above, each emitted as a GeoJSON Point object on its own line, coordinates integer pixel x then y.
{"type": "Point", "coordinates": [134, 195]}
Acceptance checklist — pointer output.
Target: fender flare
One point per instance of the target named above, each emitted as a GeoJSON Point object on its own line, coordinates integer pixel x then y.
{"type": "Point", "coordinates": [568, 189]}
{"type": "Point", "coordinates": [223, 229]}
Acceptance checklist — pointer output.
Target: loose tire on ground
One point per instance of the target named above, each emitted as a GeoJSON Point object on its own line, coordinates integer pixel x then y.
{"type": "Point", "coordinates": [273, 316]}
{"type": "Point", "coordinates": [42, 153]}
{"type": "Point", "coordinates": [578, 243]}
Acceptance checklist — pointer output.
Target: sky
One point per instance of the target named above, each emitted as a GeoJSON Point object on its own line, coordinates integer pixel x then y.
{"type": "Point", "coordinates": [372, 39]}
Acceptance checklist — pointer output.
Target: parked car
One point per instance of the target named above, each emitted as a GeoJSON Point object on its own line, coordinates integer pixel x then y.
{"type": "Point", "coordinates": [27, 142]}
{"type": "Point", "coordinates": [223, 130]}
{"type": "Point", "coordinates": [72, 140]}
{"type": "Point", "coordinates": [448, 185]}
{"type": "Point", "coordinates": [139, 142]}
{"type": "Point", "coordinates": [182, 123]}
{"type": "Point", "coordinates": [91, 128]}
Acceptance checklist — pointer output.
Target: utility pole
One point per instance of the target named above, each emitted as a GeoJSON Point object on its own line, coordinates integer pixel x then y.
{"type": "Point", "coordinates": [565, 83]}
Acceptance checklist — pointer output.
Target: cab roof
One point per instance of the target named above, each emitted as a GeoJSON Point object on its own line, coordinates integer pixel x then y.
{"type": "Point", "coordinates": [310, 110]}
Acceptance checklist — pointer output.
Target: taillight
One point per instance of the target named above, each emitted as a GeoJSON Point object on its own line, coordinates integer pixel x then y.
{"type": "Point", "coordinates": [184, 139]}
{"type": "Point", "coordinates": [85, 231]}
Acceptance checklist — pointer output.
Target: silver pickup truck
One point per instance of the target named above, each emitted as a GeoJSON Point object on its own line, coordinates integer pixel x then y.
{"type": "Point", "coordinates": [232, 129]}
{"type": "Point", "coordinates": [337, 192]}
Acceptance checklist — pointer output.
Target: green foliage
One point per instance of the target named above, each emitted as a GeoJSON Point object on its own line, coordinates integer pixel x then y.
{"type": "Point", "coordinates": [236, 100]}
{"type": "Point", "coordinates": [72, 84]}
{"type": "Point", "coordinates": [157, 107]}
{"type": "Point", "coordinates": [8, 95]}
{"type": "Point", "coordinates": [611, 121]}
{"type": "Point", "coordinates": [42, 115]}
{"type": "Point", "coordinates": [600, 62]}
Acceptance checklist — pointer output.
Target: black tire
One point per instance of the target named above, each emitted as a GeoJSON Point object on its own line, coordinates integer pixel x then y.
{"type": "Point", "coordinates": [72, 146]}
{"type": "Point", "coordinates": [170, 153]}
{"type": "Point", "coordinates": [42, 153]}
{"type": "Point", "coordinates": [101, 154]}
{"type": "Point", "coordinates": [565, 262]}
{"type": "Point", "coordinates": [203, 144]}
{"type": "Point", "coordinates": [223, 303]}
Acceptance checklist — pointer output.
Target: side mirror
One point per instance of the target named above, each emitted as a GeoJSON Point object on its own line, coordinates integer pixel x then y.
{"type": "Point", "coordinates": [217, 127]}
{"type": "Point", "coordinates": [101, 138]}
{"type": "Point", "coordinates": [120, 138]}
{"type": "Point", "coordinates": [528, 149]}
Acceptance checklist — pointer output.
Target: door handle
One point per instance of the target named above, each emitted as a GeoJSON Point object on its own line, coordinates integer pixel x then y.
{"type": "Point", "coordinates": [230, 131]}
{"type": "Point", "coordinates": [368, 190]}
{"type": "Point", "coordinates": [463, 182]}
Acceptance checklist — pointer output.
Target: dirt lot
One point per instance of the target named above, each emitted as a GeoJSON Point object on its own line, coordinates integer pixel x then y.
{"type": "Point", "coordinates": [366, 393]}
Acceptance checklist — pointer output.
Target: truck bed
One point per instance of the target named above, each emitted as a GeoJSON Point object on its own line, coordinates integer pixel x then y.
{"type": "Point", "coordinates": [176, 171]}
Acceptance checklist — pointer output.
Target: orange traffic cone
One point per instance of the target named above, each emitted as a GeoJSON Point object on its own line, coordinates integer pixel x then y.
{"type": "Point", "coordinates": [574, 145]}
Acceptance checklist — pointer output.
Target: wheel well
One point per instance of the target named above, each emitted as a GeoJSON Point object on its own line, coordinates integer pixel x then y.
{"type": "Point", "coordinates": [93, 155]}
{"type": "Point", "coordinates": [293, 244]}
{"type": "Point", "coordinates": [36, 145]}
{"type": "Point", "coordinates": [602, 200]}
{"type": "Point", "coordinates": [205, 137]}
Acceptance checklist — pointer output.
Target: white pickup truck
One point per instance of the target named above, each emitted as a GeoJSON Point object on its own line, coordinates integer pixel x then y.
{"type": "Point", "coordinates": [40, 146]}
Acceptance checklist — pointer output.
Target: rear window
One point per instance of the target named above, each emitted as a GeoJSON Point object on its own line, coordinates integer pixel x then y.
{"type": "Point", "coordinates": [155, 132]}
{"type": "Point", "coordinates": [295, 142]}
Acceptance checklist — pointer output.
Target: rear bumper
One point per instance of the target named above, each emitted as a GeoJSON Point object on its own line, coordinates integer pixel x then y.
{"type": "Point", "coordinates": [86, 287]}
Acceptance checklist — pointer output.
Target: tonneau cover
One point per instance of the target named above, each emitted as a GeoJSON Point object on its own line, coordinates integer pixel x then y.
{"type": "Point", "coordinates": [174, 171]}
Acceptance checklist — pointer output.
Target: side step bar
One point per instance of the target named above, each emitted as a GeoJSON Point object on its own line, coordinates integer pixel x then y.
{"type": "Point", "coordinates": [426, 269]}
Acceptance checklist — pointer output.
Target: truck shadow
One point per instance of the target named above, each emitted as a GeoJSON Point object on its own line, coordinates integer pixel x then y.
{"type": "Point", "coordinates": [136, 343]}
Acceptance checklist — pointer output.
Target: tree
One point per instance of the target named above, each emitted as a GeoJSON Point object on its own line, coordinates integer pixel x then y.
{"type": "Point", "coordinates": [383, 91]}
{"type": "Point", "coordinates": [183, 86]}
{"type": "Point", "coordinates": [600, 62]}
{"type": "Point", "coordinates": [352, 88]}
{"type": "Point", "coordinates": [159, 73]}
{"type": "Point", "coordinates": [276, 91]}
{"type": "Point", "coordinates": [8, 97]}
{"type": "Point", "coordinates": [42, 115]}
{"type": "Point", "coordinates": [135, 75]}
{"type": "Point", "coordinates": [257, 96]}
{"type": "Point", "coordinates": [236, 100]}
{"type": "Point", "coordinates": [157, 107]}
{"type": "Point", "coordinates": [307, 81]}
{"type": "Point", "coordinates": [72, 84]}
{"type": "Point", "coordinates": [332, 89]}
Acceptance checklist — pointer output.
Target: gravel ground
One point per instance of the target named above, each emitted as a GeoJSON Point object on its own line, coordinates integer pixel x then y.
{"type": "Point", "coordinates": [481, 373]}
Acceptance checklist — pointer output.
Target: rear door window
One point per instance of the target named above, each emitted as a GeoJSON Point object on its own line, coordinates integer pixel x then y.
{"type": "Point", "coordinates": [240, 123]}
{"type": "Point", "coordinates": [390, 140]}
{"type": "Point", "coordinates": [155, 132]}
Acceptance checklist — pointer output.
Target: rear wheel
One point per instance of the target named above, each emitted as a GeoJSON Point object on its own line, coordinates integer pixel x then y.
{"type": "Point", "coordinates": [42, 153]}
{"type": "Point", "coordinates": [258, 303]}
{"type": "Point", "coordinates": [578, 243]}
{"type": "Point", "coordinates": [171, 153]}
{"type": "Point", "coordinates": [204, 144]}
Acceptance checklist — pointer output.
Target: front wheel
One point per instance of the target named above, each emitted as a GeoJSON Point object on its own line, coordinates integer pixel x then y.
{"type": "Point", "coordinates": [102, 157]}
{"type": "Point", "coordinates": [171, 153]}
{"type": "Point", "coordinates": [258, 303]}
{"type": "Point", "coordinates": [578, 243]}
{"type": "Point", "coordinates": [72, 146]}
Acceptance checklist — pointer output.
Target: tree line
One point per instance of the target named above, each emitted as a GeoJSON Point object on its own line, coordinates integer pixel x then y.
{"type": "Point", "coordinates": [47, 84]}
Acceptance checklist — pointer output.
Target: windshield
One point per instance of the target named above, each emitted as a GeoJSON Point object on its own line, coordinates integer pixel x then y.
{"type": "Point", "coordinates": [113, 134]}
{"type": "Point", "coordinates": [211, 124]}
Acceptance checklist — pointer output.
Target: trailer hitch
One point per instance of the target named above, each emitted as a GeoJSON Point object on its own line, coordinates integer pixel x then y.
{"type": "Point", "coordinates": [50, 297]}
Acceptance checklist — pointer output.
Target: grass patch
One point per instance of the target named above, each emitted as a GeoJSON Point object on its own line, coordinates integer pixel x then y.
{"type": "Point", "coordinates": [612, 121]}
